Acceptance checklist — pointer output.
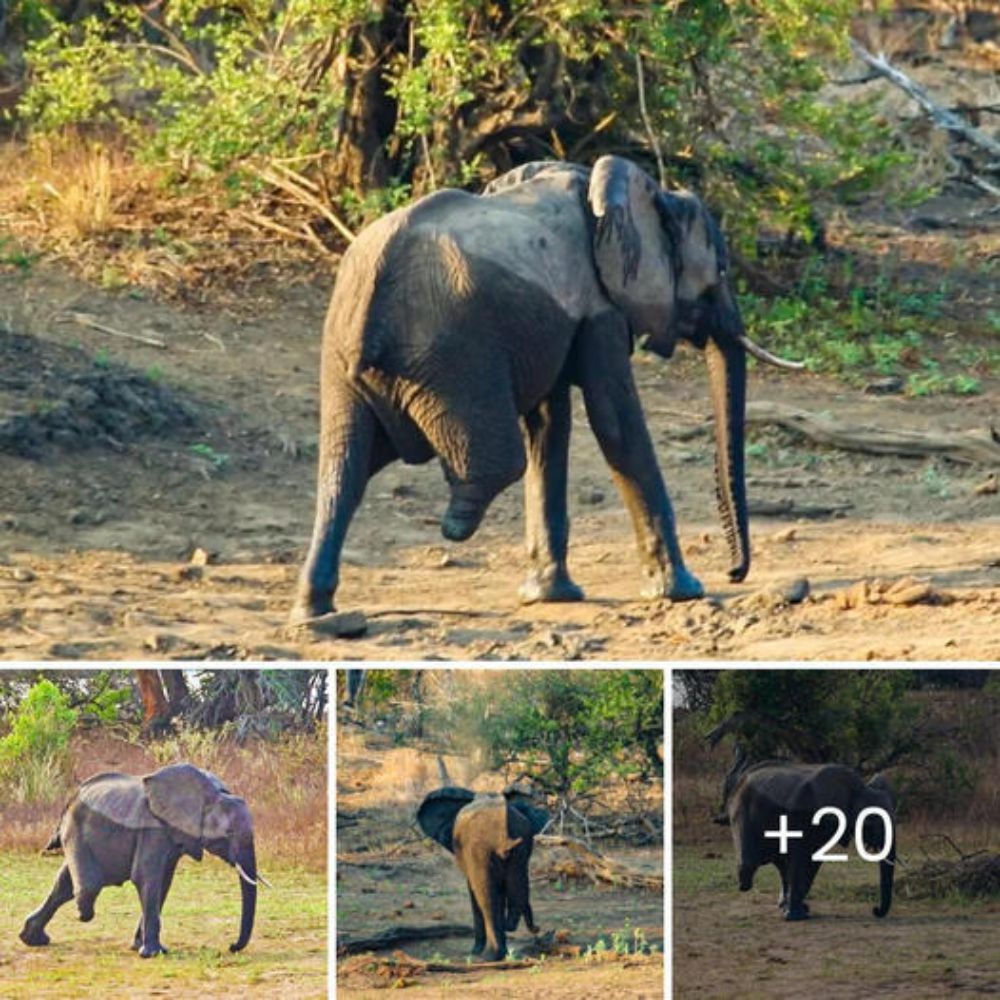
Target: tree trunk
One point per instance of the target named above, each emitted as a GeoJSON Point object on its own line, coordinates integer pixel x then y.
{"type": "Point", "coordinates": [155, 708]}
{"type": "Point", "coordinates": [176, 688]}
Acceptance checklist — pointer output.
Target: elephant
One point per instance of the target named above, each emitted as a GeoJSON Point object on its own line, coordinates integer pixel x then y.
{"type": "Point", "coordinates": [491, 837]}
{"type": "Point", "coordinates": [120, 827]}
{"type": "Point", "coordinates": [768, 790]}
{"type": "Point", "coordinates": [457, 326]}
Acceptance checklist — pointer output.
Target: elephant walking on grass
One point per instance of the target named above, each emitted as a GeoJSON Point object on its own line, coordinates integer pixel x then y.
{"type": "Point", "coordinates": [118, 827]}
{"type": "Point", "coordinates": [770, 790]}
{"type": "Point", "coordinates": [491, 837]}
{"type": "Point", "coordinates": [457, 326]}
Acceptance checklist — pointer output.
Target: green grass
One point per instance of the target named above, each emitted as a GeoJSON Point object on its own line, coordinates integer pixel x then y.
{"type": "Point", "coordinates": [287, 956]}
{"type": "Point", "coordinates": [857, 332]}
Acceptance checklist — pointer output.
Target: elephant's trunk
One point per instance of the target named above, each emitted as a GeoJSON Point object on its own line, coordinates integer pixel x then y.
{"type": "Point", "coordinates": [886, 873]}
{"type": "Point", "coordinates": [246, 858]}
{"type": "Point", "coordinates": [727, 370]}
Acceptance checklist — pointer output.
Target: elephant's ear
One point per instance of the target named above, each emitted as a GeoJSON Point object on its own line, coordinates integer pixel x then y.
{"type": "Point", "coordinates": [118, 797]}
{"type": "Point", "coordinates": [536, 817]}
{"type": "Point", "coordinates": [881, 784]}
{"type": "Point", "coordinates": [179, 795]}
{"type": "Point", "coordinates": [632, 251]}
{"type": "Point", "coordinates": [437, 813]}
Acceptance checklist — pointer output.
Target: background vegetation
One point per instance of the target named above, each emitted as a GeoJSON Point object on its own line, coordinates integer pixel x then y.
{"type": "Point", "coordinates": [299, 121]}
{"type": "Point", "coordinates": [936, 734]}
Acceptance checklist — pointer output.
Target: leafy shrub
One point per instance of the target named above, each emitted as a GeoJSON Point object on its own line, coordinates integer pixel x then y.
{"type": "Point", "coordinates": [34, 755]}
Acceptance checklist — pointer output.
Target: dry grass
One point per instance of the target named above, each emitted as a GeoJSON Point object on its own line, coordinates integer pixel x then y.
{"type": "Point", "coordinates": [119, 223]}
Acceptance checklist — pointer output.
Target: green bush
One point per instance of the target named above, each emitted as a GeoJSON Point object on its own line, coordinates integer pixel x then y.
{"type": "Point", "coordinates": [34, 755]}
{"type": "Point", "coordinates": [360, 98]}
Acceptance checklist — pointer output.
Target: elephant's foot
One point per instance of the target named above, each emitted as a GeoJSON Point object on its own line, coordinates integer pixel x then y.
{"type": "Point", "coordinates": [684, 586]}
{"type": "Point", "coordinates": [310, 604]}
{"type": "Point", "coordinates": [550, 585]}
{"type": "Point", "coordinates": [151, 950]}
{"type": "Point", "coordinates": [800, 912]}
{"type": "Point", "coordinates": [492, 955]}
{"type": "Point", "coordinates": [33, 936]}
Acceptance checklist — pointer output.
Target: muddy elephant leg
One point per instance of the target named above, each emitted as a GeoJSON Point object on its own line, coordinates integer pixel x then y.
{"type": "Point", "coordinates": [477, 436]}
{"type": "Point", "coordinates": [33, 931]}
{"type": "Point", "coordinates": [347, 441]}
{"type": "Point", "coordinates": [546, 433]}
{"type": "Point", "coordinates": [478, 926]}
{"type": "Point", "coordinates": [168, 878]}
{"type": "Point", "coordinates": [487, 897]}
{"type": "Point", "coordinates": [615, 414]}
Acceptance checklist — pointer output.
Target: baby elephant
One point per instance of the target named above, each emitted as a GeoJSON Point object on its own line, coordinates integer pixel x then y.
{"type": "Point", "coordinates": [491, 837]}
{"type": "Point", "coordinates": [118, 828]}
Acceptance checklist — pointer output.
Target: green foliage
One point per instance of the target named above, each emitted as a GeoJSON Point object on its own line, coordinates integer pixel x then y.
{"type": "Point", "coordinates": [34, 754]}
{"type": "Point", "coordinates": [218, 90]}
{"type": "Point", "coordinates": [571, 729]}
{"type": "Point", "coordinates": [855, 717]}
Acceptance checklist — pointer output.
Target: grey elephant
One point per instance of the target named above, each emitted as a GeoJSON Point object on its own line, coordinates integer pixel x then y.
{"type": "Point", "coordinates": [118, 827]}
{"type": "Point", "coordinates": [457, 326]}
{"type": "Point", "coordinates": [769, 790]}
{"type": "Point", "coordinates": [491, 837]}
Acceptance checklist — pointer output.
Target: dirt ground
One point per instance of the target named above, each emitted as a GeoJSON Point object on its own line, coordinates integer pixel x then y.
{"type": "Point", "coordinates": [121, 459]}
{"type": "Point", "coordinates": [389, 875]}
{"type": "Point", "coordinates": [728, 943]}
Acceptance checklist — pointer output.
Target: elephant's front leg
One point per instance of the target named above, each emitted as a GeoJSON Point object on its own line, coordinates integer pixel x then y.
{"type": "Point", "coordinates": [801, 872]}
{"type": "Point", "coordinates": [33, 931]}
{"type": "Point", "coordinates": [546, 433]}
{"type": "Point", "coordinates": [168, 878]}
{"type": "Point", "coordinates": [615, 414]}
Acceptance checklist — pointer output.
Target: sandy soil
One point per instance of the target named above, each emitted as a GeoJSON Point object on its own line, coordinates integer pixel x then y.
{"type": "Point", "coordinates": [121, 459]}
{"type": "Point", "coordinates": [389, 875]}
{"type": "Point", "coordinates": [727, 943]}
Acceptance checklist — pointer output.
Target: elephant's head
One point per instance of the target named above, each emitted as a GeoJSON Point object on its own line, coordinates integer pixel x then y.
{"type": "Point", "coordinates": [439, 810]}
{"type": "Point", "coordinates": [662, 260]}
{"type": "Point", "coordinates": [877, 793]}
{"type": "Point", "coordinates": [202, 815]}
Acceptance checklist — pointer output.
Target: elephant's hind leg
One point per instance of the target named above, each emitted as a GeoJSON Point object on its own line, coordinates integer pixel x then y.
{"type": "Point", "coordinates": [347, 442]}
{"type": "Point", "coordinates": [33, 931]}
{"type": "Point", "coordinates": [546, 432]}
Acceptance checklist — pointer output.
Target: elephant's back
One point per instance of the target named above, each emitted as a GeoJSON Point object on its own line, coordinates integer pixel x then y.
{"type": "Point", "coordinates": [117, 797]}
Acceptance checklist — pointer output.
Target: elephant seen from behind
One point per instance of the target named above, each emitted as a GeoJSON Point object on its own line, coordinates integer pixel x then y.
{"type": "Point", "coordinates": [767, 791]}
{"type": "Point", "coordinates": [491, 837]}
{"type": "Point", "coordinates": [118, 828]}
{"type": "Point", "coordinates": [458, 325]}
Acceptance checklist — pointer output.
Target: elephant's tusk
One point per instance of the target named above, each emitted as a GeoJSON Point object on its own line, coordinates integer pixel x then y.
{"type": "Point", "coordinates": [772, 359]}
{"type": "Point", "coordinates": [259, 880]}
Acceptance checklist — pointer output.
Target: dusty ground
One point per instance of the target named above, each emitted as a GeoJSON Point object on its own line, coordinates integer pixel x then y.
{"type": "Point", "coordinates": [122, 458]}
{"type": "Point", "coordinates": [727, 943]}
{"type": "Point", "coordinates": [389, 875]}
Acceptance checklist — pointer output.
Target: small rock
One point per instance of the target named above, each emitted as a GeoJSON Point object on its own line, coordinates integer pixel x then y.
{"type": "Point", "coordinates": [787, 535]}
{"type": "Point", "coordinates": [988, 486]}
{"type": "Point", "coordinates": [853, 597]}
{"type": "Point", "coordinates": [885, 386]}
{"type": "Point", "coordinates": [916, 593]}
{"type": "Point", "coordinates": [797, 591]}
{"type": "Point", "coordinates": [21, 574]}
{"type": "Point", "coordinates": [200, 557]}
{"type": "Point", "coordinates": [591, 495]}
{"type": "Point", "coordinates": [342, 624]}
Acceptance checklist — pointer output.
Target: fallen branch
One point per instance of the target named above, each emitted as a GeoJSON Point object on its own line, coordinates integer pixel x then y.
{"type": "Point", "coordinates": [587, 863]}
{"type": "Point", "coordinates": [791, 508]}
{"type": "Point", "coordinates": [940, 115]}
{"type": "Point", "coordinates": [971, 447]}
{"type": "Point", "coordinates": [85, 319]}
{"type": "Point", "coordinates": [395, 935]}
